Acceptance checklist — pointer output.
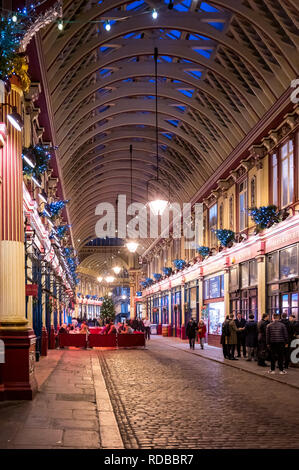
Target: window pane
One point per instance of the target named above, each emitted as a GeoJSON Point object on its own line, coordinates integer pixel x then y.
{"type": "Point", "coordinates": [206, 289]}
{"type": "Point", "coordinates": [233, 279]}
{"type": "Point", "coordinates": [253, 273]}
{"type": "Point", "coordinates": [244, 275]}
{"type": "Point", "coordinates": [274, 180]}
{"type": "Point", "coordinates": [284, 182]}
{"type": "Point", "coordinates": [288, 262]}
{"type": "Point", "coordinates": [242, 214]}
{"type": "Point", "coordinates": [272, 267]}
{"type": "Point", "coordinates": [291, 178]}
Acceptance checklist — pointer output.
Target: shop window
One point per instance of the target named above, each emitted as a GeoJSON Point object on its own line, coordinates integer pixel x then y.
{"type": "Point", "coordinates": [287, 173]}
{"type": "Point", "coordinates": [253, 273]}
{"type": "Point", "coordinates": [234, 279]}
{"type": "Point", "coordinates": [274, 179]}
{"type": "Point", "coordinates": [222, 285]}
{"type": "Point", "coordinates": [243, 205]}
{"type": "Point", "coordinates": [253, 191]}
{"type": "Point", "coordinates": [272, 267]}
{"type": "Point", "coordinates": [244, 274]}
{"type": "Point", "coordinates": [231, 213]}
{"type": "Point", "coordinates": [288, 262]}
{"type": "Point", "coordinates": [206, 289]}
{"type": "Point", "coordinates": [213, 224]}
{"type": "Point", "coordinates": [221, 216]}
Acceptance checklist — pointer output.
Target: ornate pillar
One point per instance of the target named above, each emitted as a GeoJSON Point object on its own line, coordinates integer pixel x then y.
{"type": "Point", "coordinates": [134, 283]}
{"type": "Point", "coordinates": [261, 276]}
{"type": "Point", "coordinates": [183, 327]}
{"type": "Point", "coordinates": [17, 379]}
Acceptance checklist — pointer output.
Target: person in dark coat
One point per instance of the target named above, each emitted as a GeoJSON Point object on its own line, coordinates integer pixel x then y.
{"type": "Point", "coordinates": [291, 327]}
{"type": "Point", "coordinates": [134, 324]}
{"type": "Point", "coordinates": [240, 324]}
{"type": "Point", "coordinates": [277, 340]}
{"type": "Point", "coordinates": [251, 338]}
{"type": "Point", "coordinates": [224, 337]}
{"type": "Point", "coordinates": [191, 331]}
{"type": "Point", "coordinates": [262, 345]}
{"type": "Point", "coordinates": [232, 339]}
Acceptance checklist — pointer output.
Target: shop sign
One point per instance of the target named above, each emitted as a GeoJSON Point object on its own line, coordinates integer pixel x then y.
{"type": "Point", "coordinates": [31, 290]}
{"type": "Point", "coordinates": [285, 238]}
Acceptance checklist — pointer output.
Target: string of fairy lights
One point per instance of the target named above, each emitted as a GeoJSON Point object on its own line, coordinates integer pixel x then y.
{"type": "Point", "coordinates": [29, 14]}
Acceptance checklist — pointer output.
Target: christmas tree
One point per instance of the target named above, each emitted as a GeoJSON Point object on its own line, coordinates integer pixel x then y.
{"type": "Point", "coordinates": [107, 309]}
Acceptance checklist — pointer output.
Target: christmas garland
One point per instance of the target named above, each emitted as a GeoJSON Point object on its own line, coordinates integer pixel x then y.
{"type": "Point", "coordinates": [264, 216]}
{"type": "Point", "coordinates": [11, 35]}
{"type": "Point", "coordinates": [204, 251]}
{"type": "Point", "coordinates": [225, 236]}
{"type": "Point", "coordinates": [42, 157]}
{"type": "Point", "coordinates": [157, 276]}
{"type": "Point", "coordinates": [167, 271]}
{"type": "Point", "coordinates": [61, 231]}
{"type": "Point", "coordinates": [179, 263]}
{"type": "Point", "coordinates": [54, 208]}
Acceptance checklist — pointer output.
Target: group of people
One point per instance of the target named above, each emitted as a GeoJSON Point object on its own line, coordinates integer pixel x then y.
{"type": "Point", "coordinates": [193, 330]}
{"type": "Point", "coordinates": [126, 327]}
{"type": "Point", "coordinates": [260, 341]}
{"type": "Point", "coordinates": [74, 327]}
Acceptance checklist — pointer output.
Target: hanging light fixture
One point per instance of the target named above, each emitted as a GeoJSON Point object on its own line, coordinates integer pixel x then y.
{"type": "Point", "coordinates": [131, 245]}
{"type": "Point", "coordinates": [100, 279]}
{"type": "Point", "coordinates": [29, 159]}
{"type": "Point", "coordinates": [43, 197]}
{"type": "Point", "coordinates": [14, 117]}
{"type": "Point", "coordinates": [157, 204]}
{"type": "Point", "coordinates": [37, 180]}
{"type": "Point", "coordinates": [116, 269]}
{"type": "Point", "coordinates": [109, 279]}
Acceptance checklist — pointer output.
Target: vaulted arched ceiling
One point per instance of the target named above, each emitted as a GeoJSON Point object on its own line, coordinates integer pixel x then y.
{"type": "Point", "coordinates": [221, 66]}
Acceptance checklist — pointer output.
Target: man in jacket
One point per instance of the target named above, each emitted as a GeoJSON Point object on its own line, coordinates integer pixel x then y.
{"type": "Point", "coordinates": [288, 326]}
{"type": "Point", "coordinates": [232, 340]}
{"type": "Point", "coordinates": [191, 332]}
{"type": "Point", "coordinates": [277, 340]}
{"type": "Point", "coordinates": [240, 324]}
{"type": "Point", "coordinates": [224, 337]}
{"type": "Point", "coordinates": [262, 345]}
{"type": "Point", "coordinates": [251, 338]}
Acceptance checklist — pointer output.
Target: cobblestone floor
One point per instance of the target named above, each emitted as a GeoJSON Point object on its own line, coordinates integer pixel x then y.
{"type": "Point", "coordinates": [165, 398]}
{"type": "Point", "coordinates": [162, 397]}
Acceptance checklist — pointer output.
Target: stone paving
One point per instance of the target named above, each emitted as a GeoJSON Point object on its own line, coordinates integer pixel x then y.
{"type": "Point", "coordinates": [215, 354]}
{"type": "Point", "coordinates": [161, 397]}
{"type": "Point", "coordinates": [164, 398]}
{"type": "Point", "coordinates": [67, 411]}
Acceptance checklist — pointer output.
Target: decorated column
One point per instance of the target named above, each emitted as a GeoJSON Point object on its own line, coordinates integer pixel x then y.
{"type": "Point", "coordinates": [17, 379]}
{"type": "Point", "coordinates": [183, 326]}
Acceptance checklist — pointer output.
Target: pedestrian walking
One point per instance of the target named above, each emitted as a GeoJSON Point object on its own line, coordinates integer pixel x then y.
{"type": "Point", "coordinates": [262, 344]}
{"type": "Point", "coordinates": [240, 324]}
{"type": "Point", "coordinates": [224, 337]}
{"type": "Point", "coordinates": [202, 329]}
{"type": "Point", "coordinates": [251, 335]}
{"type": "Point", "coordinates": [147, 328]}
{"type": "Point", "coordinates": [287, 323]}
{"type": "Point", "coordinates": [191, 332]}
{"type": "Point", "coordinates": [232, 339]}
{"type": "Point", "coordinates": [277, 340]}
